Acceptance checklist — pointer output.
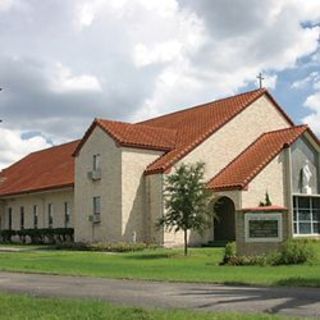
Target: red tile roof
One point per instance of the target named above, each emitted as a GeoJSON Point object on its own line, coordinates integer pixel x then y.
{"type": "Point", "coordinates": [244, 168]}
{"type": "Point", "coordinates": [42, 170]}
{"type": "Point", "coordinates": [175, 134]}
{"type": "Point", "coordinates": [196, 124]}
{"type": "Point", "coordinates": [134, 135]}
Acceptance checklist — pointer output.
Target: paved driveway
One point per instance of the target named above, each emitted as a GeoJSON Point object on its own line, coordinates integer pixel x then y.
{"type": "Point", "coordinates": [207, 297]}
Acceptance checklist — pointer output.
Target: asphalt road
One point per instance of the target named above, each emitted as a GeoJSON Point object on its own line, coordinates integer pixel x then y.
{"type": "Point", "coordinates": [301, 302]}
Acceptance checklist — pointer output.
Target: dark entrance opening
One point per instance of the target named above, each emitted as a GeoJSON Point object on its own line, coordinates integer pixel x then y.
{"type": "Point", "coordinates": [224, 223]}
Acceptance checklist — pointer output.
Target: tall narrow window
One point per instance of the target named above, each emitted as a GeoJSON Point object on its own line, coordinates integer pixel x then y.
{"type": "Point", "coordinates": [10, 218]}
{"type": "Point", "coordinates": [96, 208]}
{"type": "Point", "coordinates": [96, 162]}
{"type": "Point", "coordinates": [50, 215]}
{"type": "Point", "coordinates": [66, 214]}
{"type": "Point", "coordinates": [21, 218]}
{"type": "Point", "coordinates": [35, 216]}
{"type": "Point", "coordinates": [306, 215]}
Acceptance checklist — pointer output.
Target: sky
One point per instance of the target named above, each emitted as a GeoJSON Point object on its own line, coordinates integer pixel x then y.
{"type": "Point", "coordinates": [64, 63]}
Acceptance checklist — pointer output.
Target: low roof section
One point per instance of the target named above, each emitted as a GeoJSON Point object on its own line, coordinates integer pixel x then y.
{"type": "Point", "coordinates": [244, 168]}
{"type": "Point", "coordinates": [48, 169]}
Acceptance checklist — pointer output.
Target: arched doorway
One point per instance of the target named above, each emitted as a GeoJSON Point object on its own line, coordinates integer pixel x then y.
{"type": "Point", "coordinates": [224, 222]}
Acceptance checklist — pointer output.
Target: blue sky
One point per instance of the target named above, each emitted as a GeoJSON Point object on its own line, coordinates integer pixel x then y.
{"type": "Point", "coordinates": [291, 98]}
{"type": "Point", "coordinates": [63, 63]}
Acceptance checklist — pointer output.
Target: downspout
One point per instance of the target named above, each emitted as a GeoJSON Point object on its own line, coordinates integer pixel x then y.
{"type": "Point", "coordinates": [288, 184]}
{"type": "Point", "coordinates": [161, 208]}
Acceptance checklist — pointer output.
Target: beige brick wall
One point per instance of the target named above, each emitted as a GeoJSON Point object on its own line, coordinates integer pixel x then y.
{"type": "Point", "coordinates": [154, 206]}
{"type": "Point", "coordinates": [135, 209]}
{"type": "Point", "coordinates": [108, 188]}
{"type": "Point", "coordinates": [229, 141]}
{"type": "Point", "coordinates": [252, 248]}
{"type": "Point", "coordinates": [273, 179]}
{"type": "Point", "coordinates": [57, 198]}
{"type": "Point", "coordinates": [270, 179]}
{"type": "Point", "coordinates": [122, 189]}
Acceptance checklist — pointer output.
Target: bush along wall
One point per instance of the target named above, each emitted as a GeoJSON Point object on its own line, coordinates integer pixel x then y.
{"type": "Point", "coordinates": [292, 251]}
{"type": "Point", "coordinates": [38, 236]}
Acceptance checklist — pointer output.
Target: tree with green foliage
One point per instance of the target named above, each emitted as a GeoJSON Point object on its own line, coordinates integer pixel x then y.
{"type": "Point", "coordinates": [187, 201]}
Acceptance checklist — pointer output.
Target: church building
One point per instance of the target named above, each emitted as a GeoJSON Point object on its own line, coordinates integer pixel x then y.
{"type": "Point", "coordinates": [108, 185]}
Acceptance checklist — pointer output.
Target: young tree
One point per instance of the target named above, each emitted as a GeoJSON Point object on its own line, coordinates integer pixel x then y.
{"type": "Point", "coordinates": [187, 201]}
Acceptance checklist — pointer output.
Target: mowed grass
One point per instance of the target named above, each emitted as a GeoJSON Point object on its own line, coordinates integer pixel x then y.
{"type": "Point", "coordinates": [18, 307]}
{"type": "Point", "coordinates": [202, 265]}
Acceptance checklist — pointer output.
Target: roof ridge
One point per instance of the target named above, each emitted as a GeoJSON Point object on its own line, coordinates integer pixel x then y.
{"type": "Point", "coordinates": [137, 124]}
{"type": "Point", "coordinates": [54, 146]}
{"type": "Point", "coordinates": [186, 148]}
{"type": "Point", "coordinates": [36, 152]}
{"type": "Point", "coordinates": [113, 121]}
{"type": "Point", "coordinates": [260, 137]}
{"type": "Point", "coordinates": [236, 158]}
{"type": "Point", "coordinates": [260, 90]}
{"type": "Point", "coordinates": [287, 129]}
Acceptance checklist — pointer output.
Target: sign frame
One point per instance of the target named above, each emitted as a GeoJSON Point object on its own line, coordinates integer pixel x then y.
{"type": "Point", "coordinates": [263, 217]}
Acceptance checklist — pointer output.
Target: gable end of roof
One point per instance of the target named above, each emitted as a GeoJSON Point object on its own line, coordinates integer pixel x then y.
{"type": "Point", "coordinates": [162, 164]}
{"type": "Point", "coordinates": [226, 179]}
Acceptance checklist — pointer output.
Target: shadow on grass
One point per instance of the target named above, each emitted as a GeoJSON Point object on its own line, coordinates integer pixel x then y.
{"type": "Point", "coordinates": [298, 282]}
{"type": "Point", "coordinates": [150, 256]}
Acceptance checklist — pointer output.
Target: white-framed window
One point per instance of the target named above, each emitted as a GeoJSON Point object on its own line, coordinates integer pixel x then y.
{"type": "Point", "coordinates": [67, 214]}
{"type": "Point", "coordinates": [96, 162]}
{"type": "Point", "coordinates": [263, 227]}
{"type": "Point", "coordinates": [21, 218]}
{"type": "Point", "coordinates": [306, 215]}
{"type": "Point", "coordinates": [10, 218]}
{"type": "Point", "coordinates": [96, 207]}
{"type": "Point", "coordinates": [50, 215]}
{"type": "Point", "coordinates": [35, 216]}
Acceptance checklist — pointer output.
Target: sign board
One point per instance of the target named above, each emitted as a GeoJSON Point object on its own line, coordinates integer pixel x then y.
{"type": "Point", "coordinates": [263, 227]}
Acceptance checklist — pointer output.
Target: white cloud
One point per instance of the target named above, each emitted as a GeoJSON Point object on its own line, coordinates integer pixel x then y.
{"type": "Point", "coordinates": [313, 104]}
{"type": "Point", "coordinates": [160, 53]}
{"type": "Point", "coordinates": [130, 59]}
{"type": "Point", "coordinates": [13, 147]}
{"type": "Point", "coordinates": [6, 4]}
{"type": "Point", "coordinates": [270, 81]}
{"type": "Point", "coordinates": [312, 78]}
{"type": "Point", "coordinates": [64, 81]}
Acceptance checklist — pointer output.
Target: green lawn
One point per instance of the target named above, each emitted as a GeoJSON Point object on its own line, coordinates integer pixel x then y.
{"type": "Point", "coordinates": [18, 307]}
{"type": "Point", "coordinates": [162, 264]}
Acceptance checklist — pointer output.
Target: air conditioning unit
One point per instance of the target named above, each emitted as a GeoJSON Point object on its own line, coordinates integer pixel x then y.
{"type": "Point", "coordinates": [94, 175]}
{"type": "Point", "coordinates": [96, 218]}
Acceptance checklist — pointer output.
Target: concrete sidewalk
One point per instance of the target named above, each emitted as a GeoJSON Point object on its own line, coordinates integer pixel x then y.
{"type": "Point", "coordinates": [302, 302]}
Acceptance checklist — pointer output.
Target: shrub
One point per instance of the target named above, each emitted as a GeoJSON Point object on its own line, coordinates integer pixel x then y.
{"type": "Point", "coordinates": [121, 246]}
{"type": "Point", "coordinates": [6, 235]}
{"type": "Point", "coordinates": [230, 252]}
{"type": "Point", "coordinates": [106, 247]}
{"type": "Point", "coordinates": [294, 251]}
{"type": "Point", "coordinates": [39, 236]}
{"type": "Point", "coordinates": [63, 234]}
{"type": "Point", "coordinates": [231, 258]}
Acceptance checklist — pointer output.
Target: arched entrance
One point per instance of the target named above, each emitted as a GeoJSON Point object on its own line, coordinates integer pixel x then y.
{"type": "Point", "coordinates": [224, 222]}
